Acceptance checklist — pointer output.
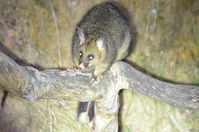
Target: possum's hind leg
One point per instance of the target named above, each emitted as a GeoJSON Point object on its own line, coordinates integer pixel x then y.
{"type": "Point", "coordinates": [124, 49]}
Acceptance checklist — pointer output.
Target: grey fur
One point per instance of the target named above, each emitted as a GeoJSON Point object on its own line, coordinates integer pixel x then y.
{"type": "Point", "coordinates": [108, 21]}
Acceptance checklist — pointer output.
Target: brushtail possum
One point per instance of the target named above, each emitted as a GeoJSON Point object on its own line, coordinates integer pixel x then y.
{"type": "Point", "coordinates": [101, 38]}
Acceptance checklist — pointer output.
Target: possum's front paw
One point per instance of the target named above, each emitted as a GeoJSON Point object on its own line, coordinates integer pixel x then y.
{"type": "Point", "coordinates": [95, 79]}
{"type": "Point", "coordinates": [72, 68]}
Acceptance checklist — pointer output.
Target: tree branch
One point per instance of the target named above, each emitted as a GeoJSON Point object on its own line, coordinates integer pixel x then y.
{"type": "Point", "coordinates": [76, 85]}
{"type": "Point", "coordinates": [34, 84]}
{"type": "Point", "coordinates": [181, 95]}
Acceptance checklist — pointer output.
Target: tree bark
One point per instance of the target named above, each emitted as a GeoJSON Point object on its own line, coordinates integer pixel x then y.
{"type": "Point", "coordinates": [77, 85]}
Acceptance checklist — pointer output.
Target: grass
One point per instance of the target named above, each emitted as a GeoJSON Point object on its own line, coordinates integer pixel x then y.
{"type": "Point", "coordinates": [197, 38]}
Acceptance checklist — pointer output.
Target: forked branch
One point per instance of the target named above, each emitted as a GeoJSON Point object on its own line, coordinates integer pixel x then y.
{"type": "Point", "coordinates": [33, 84]}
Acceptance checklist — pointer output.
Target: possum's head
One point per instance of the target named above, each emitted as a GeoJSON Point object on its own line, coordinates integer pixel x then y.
{"type": "Point", "coordinates": [90, 50]}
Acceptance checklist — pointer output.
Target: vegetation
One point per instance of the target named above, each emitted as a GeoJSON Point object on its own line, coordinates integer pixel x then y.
{"type": "Point", "coordinates": [167, 46]}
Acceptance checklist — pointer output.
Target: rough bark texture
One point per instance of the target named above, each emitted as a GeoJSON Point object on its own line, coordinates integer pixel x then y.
{"type": "Point", "coordinates": [33, 84]}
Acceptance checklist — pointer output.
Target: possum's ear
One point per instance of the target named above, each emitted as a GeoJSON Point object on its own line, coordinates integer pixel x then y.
{"type": "Point", "coordinates": [81, 35]}
{"type": "Point", "coordinates": [101, 43]}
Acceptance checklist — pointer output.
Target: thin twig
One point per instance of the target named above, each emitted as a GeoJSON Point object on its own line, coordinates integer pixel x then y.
{"type": "Point", "coordinates": [58, 35]}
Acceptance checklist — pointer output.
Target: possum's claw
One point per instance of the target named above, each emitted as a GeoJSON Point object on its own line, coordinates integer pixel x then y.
{"type": "Point", "coordinates": [95, 79]}
{"type": "Point", "coordinates": [72, 68]}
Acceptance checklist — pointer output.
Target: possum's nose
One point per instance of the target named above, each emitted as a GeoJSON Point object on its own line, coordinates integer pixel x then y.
{"type": "Point", "coordinates": [82, 65]}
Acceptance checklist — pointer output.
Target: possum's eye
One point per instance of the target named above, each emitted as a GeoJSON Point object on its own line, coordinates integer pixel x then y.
{"type": "Point", "coordinates": [90, 57]}
{"type": "Point", "coordinates": [80, 54]}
